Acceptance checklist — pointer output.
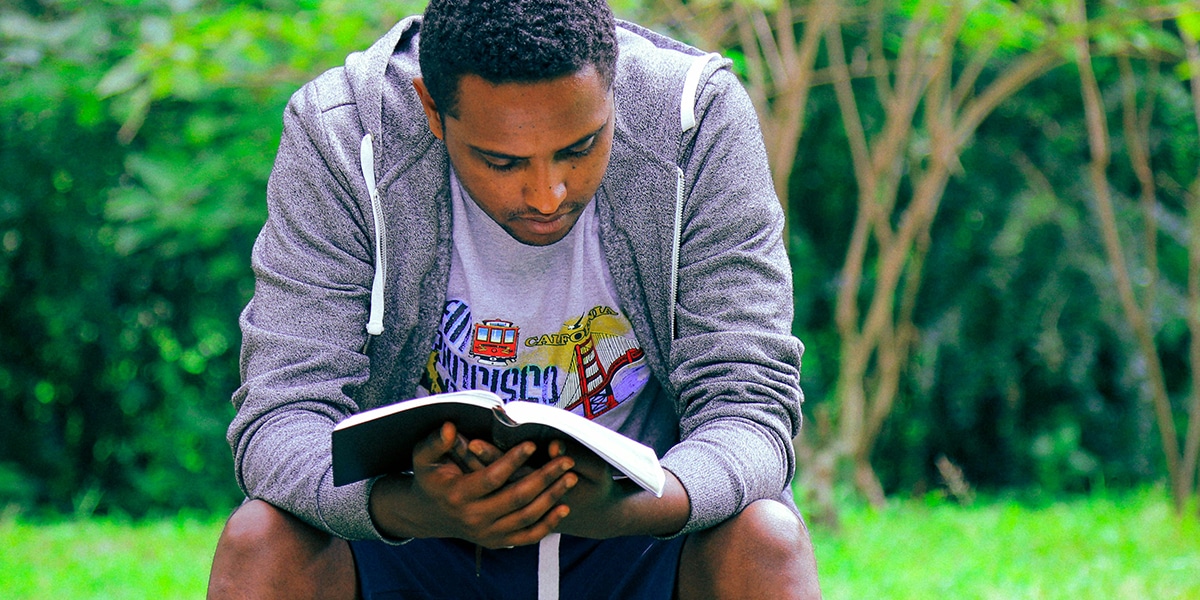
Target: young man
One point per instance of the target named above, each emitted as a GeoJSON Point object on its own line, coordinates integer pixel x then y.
{"type": "Point", "coordinates": [592, 200]}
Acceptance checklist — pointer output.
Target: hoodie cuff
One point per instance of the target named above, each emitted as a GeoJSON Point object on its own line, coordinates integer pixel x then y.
{"type": "Point", "coordinates": [712, 491]}
{"type": "Point", "coordinates": [345, 511]}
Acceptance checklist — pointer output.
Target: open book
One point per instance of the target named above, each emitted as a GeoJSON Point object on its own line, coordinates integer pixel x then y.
{"type": "Point", "coordinates": [381, 440]}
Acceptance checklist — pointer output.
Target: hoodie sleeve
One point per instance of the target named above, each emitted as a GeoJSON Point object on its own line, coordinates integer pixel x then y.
{"type": "Point", "coordinates": [735, 363]}
{"type": "Point", "coordinates": [303, 330]}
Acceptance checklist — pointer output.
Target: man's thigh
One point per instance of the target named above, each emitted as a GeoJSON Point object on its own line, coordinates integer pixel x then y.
{"type": "Point", "coordinates": [628, 567]}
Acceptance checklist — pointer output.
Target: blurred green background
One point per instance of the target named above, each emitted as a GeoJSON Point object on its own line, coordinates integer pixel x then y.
{"type": "Point", "coordinates": [969, 325]}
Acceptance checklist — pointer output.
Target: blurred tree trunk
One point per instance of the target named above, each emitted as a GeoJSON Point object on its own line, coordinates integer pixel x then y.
{"type": "Point", "coordinates": [931, 111]}
{"type": "Point", "coordinates": [1189, 30]}
{"type": "Point", "coordinates": [1138, 311]}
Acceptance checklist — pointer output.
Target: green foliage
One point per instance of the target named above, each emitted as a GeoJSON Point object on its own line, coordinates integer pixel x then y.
{"type": "Point", "coordinates": [137, 138]}
{"type": "Point", "coordinates": [1006, 25]}
{"type": "Point", "coordinates": [1025, 371]}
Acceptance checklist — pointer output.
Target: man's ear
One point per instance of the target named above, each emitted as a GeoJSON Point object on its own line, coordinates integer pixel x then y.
{"type": "Point", "coordinates": [431, 111]}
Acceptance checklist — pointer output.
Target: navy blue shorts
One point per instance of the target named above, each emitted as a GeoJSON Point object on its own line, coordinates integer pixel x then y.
{"type": "Point", "coordinates": [634, 567]}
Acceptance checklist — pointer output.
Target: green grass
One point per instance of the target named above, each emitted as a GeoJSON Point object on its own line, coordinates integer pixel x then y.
{"type": "Point", "coordinates": [107, 559]}
{"type": "Point", "coordinates": [1125, 547]}
{"type": "Point", "coordinates": [1128, 546]}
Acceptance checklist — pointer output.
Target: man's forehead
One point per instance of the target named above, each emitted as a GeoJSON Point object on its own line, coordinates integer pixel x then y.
{"type": "Point", "coordinates": [556, 112]}
{"type": "Point", "coordinates": [586, 81]}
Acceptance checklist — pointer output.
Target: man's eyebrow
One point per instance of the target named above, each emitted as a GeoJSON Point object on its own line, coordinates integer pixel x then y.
{"type": "Point", "coordinates": [503, 156]}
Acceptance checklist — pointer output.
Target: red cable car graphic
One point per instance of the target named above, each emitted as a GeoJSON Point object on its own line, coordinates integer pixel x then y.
{"type": "Point", "coordinates": [495, 342]}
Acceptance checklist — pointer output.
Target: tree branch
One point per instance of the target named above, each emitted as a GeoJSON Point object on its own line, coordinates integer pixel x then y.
{"type": "Point", "coordinates": [1098, 137]}
{"type": "Point", "coordinates": [1192, 442]}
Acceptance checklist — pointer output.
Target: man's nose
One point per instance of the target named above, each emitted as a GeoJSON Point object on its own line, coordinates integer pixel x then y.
{"type": "Point", "coordinates": [546, 190]}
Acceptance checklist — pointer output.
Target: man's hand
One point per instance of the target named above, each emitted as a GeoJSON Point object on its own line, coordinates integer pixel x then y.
{"type": "Point", "coordinates": [601, 507]}
{"type": "Point", "coordinates": [493, 502]}
{"type": "Point", "coordinates": [595, 500]}
{"type": "Point", "coordinates": [599, 504]}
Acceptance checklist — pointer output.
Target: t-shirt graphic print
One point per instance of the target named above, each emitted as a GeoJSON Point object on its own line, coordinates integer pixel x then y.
{"type": "Point", "coordinates": [589, 365]}
{"type": "Point", "coordinates": [536, 324]}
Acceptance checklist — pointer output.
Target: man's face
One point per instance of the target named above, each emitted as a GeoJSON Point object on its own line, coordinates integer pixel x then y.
{"type": "Point", "coordinates": [532, 155]}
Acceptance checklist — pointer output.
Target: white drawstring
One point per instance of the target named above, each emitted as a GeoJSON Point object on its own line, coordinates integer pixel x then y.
{"type": "Point", "coordinates": [691, 81]}
{"type": "Point", "coordinates": [366, 157]}
{"type": "Point", "coordinates": [548, 567]}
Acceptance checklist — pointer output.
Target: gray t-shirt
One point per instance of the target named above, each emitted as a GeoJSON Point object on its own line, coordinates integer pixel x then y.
{"type": "Point", "coordinates": [542, 324]}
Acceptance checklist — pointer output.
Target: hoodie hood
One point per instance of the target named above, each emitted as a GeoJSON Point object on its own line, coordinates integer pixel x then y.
{"type": "Point", "coordinates": [379, 82]}
{"type": "Point", "coordinates": [366, 71]}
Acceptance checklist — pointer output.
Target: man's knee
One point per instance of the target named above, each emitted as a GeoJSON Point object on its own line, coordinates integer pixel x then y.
{"type": "Point", "coordinates": [265, 552]}
{"type": "Point", "coordinates": [764, 549]}
{"type": "Point", "coordinates": [772, 528]}
{"type": "Point", "coordinates": [257, 525]}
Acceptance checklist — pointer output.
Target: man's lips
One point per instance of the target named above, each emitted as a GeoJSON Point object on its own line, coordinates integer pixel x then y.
{"type": "Point", "coordinates": [548, 222]}
{"type": "Point", "coordinates": [544, 224]}
{"type": "Point", "coordinates": [543, 218]}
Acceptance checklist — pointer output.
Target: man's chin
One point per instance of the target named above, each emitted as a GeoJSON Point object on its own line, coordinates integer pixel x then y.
{"type": "Point", "coordinates": [531, 239]}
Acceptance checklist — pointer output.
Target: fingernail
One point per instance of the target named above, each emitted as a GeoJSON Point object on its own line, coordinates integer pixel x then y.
{"type": "Point", "coordinates": [568, 465]}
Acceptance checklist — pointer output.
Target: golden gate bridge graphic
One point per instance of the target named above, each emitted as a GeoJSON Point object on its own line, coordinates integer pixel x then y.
{"type": "Point", "coordinates": [595, 379]}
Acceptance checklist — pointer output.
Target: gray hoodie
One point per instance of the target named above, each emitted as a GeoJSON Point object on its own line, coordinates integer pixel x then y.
{"type": "Point", "coordinates": [689, 224]}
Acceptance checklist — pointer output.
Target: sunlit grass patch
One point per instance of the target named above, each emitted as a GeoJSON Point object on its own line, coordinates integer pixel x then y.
{"type": "Point", "coordinates": [107, 559]}
{"type": "Point", "coordinates": [1114, 546]}
{"type": "Point", "coordinates": [1105, 547]}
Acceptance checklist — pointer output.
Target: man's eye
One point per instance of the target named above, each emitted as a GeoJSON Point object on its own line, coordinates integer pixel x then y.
{"type": "Point", "coordinates": [500, 165]}
{"type": "Point", "coordinates": [582, 148]}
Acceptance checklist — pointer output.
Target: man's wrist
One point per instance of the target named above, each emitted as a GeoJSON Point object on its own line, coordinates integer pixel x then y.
{"type": "Point", "coordinates": [383, 507]}
{"type": "Point", "coordinates": [666, 515]}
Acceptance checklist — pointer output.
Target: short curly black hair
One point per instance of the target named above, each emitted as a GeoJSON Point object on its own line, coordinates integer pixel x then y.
{"type": "Point", "coordinates": [507, 41]}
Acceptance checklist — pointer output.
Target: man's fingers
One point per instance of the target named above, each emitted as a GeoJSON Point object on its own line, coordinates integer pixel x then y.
{"type": "Point", "coordinates": [469, 461]}
{"type": "Point", "coordinates": [538, 530]}
{"type": "Point", "coordinates": [484, 452]}
{"type": "Point", "coordinates": [544, 506]}
{"type": "Point", "coordinates": [526, 499]}
{"type": "Point", "coordinates": [432, 449]}
{"type": "Point", "coordinates": [501, 506]}
{"type": "Point", "coordinates": [536, 519]}
{"type": "Point", "coordinates": [497, 499]}
{"type": "Point", "coordinates": [498, 473]}
{"type": "Point", "coordinates": [543, 515]}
